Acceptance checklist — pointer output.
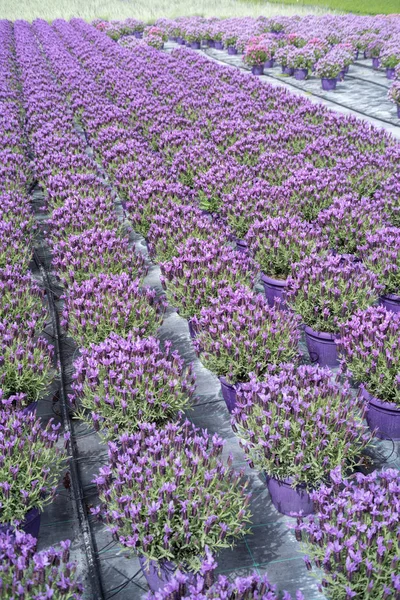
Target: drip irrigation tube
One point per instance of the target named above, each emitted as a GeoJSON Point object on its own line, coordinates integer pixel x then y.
{"type": "Point", "coordinates": [94, 586]}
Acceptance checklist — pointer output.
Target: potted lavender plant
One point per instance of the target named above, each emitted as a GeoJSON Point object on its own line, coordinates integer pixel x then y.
{"type": "Point", "coordinates": [296, 425]}
{"type": "Point", "coordinates": [353, 537]}
{"type": "Point", "coordinates": [25, 363]}
{"type": "Point", "coordinates": [277, 243]}
{"type": "Point", "coordinates": [381, 255]}
{"type": "Point", "coordinates": [37, 575]}
{"type": "Point", "coordinates": [240, 334]}
{"type": "Point", "coordinates": [123, 382]}
{"type": "Point", "coordinates": [301, 60]}
{"type": "Point", "coordinates": [173, 226]}
{"type": "Point", "coordinates": [167, 494]}
{"type": "Point", "coordinates": [394, 95]}
{"type": "Point", "coordinates": [347, 221]}
{"type": "Point", "coordinates": [30, 468]}
{"type": "Point", "coordinates": [370, 348]}
{"type": "Point", "coordinates": [21, 298]}
{"type": "Point", "coordinates": [201, 269]}
{"type": "Point", "coordinates": [328, 68]}
{"type": "Point", "coordinates": [253, 587]}
{"type": "Point", "coordinates": [95, 251]}
{"type": "Point", "coordinates": [111, 304]}
{"type": "Point", "coordinates": [325, 292]}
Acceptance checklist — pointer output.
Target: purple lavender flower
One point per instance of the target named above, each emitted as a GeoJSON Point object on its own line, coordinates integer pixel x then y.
{"type": "Point", "coordinates": [298, 424]}
{"type": "Point", "coordinates": [165, 485]}
{"type": "Point", "coordinates": [37, 575]}
{"type": "Point", "coordinates": [354, 534]}
{"type": "Point", "coordinates": [239, 334]}
{"type": "Point", "coordinates": [121, 383]}
{"type": "Point", "coordinates": [111, 304]}
{"type": "Point", "coordinates": [326, 291]}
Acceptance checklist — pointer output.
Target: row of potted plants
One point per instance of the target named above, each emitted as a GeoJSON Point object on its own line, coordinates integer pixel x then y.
{"type": "Point", "coordinates": [123, 87]}
{"type": "Point", "coordinates": [31, 456]}
{"type": "Point", "coordinates": [365, 438]}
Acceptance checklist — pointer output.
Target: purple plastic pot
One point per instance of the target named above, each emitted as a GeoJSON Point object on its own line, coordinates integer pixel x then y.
{"type": "Point", "coordinates": [398, 111]}
{"type": "Point", "coordinates": [192, 330]}
{"type": "Point", "coordinates": [242, 246]}
{"type": "Point", "coordinates": [390, 73]}
{"type": "Point", "coordinates": [287, 70]}
{"type": "Point", "coordinates": [384, 417]}
{"type": "Point", "coordinates": [274, 288]}
{"type": "Point", "coordinates": [356, 55]}
{"type": "Point", "coordinates": [391, 302]}
{"type": "Point", "coordinates": [269, 64]}
{"type": "Point", "coordinates": [180, 40]}
{"type": "Point", "coordinates": [376, 63]}
{"type": "Point", "coordinates": [219, 45]}
{"type": "Point", "coordinates": [300, 74]}
{"type": "Point", "coordinates": [30, 409]}
{"type": "Point", "coordinates": [138, 34]}
{"type": "Point", "coordinates": [257, 69]}
{"type": "Point", "coordinates": [328, 84]}
{"type": "Point", "coordinates": [346, 69]}
{"type": "Point", "coordinates": [322, 347]}
{"type": "Point", "coordinates": [232, 50]}
{"type": "Point", "coordinates": [228, 394]}
{"type": "Point", "coordinates": [195, 45]}
{"type": "Point", "coordinates": [211, 43]}
{"type": "Point", "coordinates": [287, 499]}
{"type": "Point", "coordinates": [158, 574]}
{"type": "Point", "coordinates": [30, 525]}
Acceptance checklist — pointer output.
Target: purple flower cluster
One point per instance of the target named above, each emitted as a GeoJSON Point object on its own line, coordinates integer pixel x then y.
{"type": "Point", "coordinates": [381, 255]}
{"type": "Point", "coordinates": [354, 536]}
{"type": "Point", "coordinates": [240, 334]}
{"type": "Point", "coordinates": [167, 494]}
{"type": "Point", "coordinates": [326, 291]}
{"type": "Point", "coordinates": [22, 300]}
{"type": "Point", "coordinates": [25, 362]}
{"type": "Point", "coordinates": [30, 464]}
{"type": "Point", "coordinates": [252, 587]}
{"type": "Point", "coordinates": [201, 269]}
{"type": "Point", "coordinates": [370, 346]}
{"type": "Point", "coordinates": [37, 575]}
{"type": "Point", "coordinates": [109, 304]}
{"type": "Point", "coordinates": [277, 243]}
{"type": "Point", "coordinates": [297, 424]}
{"type": "Point", "coordinates": [121, 383]}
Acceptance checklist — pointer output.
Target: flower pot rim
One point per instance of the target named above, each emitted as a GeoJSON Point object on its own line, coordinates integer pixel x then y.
{"type": "Point", "coordinates": [376, 401]}
{"type": "Point", "coordinates": [277, 282]}
{"type": "Point", "coordinates": [395, 297]}
{"type": "Point", "coordinates": [323, 335]}
{"type": "Point", "coordinates": [288, 482]}
{"type": "Point", "coordinates": [224, 381]}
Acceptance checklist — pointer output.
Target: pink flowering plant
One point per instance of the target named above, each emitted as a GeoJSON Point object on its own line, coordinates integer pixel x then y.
{"type": "Point", "coordinates": [155, 37]}
{"type": "Point", "coordinates": [37, 575]}
{"type": "Point", "coordinates": [123, 382]}
{"type": "Point", "coordinates": [378, 369]}
{"type": "Point", "coordinates": [166, 494]}
{"type": "Point", "coordinates": [240, 334]}
{"type": "Point", "coordinates": [326, 291]}
{"type": "Point", "coordinates": [30, 464]}
{"type": "Point", "coordinates": [354, 535]}
{"type": "Point", "coordinates": [298, 424]}
{"type": "Point", "coordinates": [257, 51]}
